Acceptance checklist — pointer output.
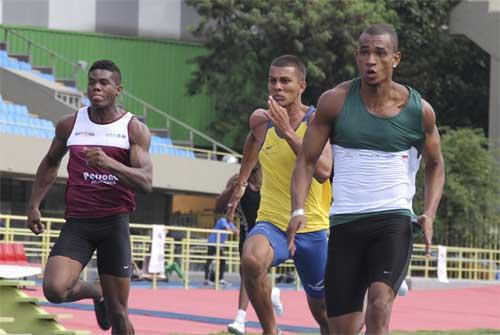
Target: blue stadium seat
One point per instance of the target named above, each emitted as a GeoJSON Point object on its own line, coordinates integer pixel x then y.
{"type": "Point", "coordinates": [12, 63]}
{"type": "Point", "coordinates": [153, 149]}
{"type": "Point", "coordinates": [47, 76]}
{"type": "Point", "coordinates": [25, 66]}
{"type": "Point", "coordinates": [23, 110]}
{"type": "Point", "coordinates": [155, 139]}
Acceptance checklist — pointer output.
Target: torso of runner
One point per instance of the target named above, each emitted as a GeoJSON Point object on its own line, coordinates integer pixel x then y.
{"type": "Point", "coordinates": [375, 158]}
{"type": "Point", "coordinates": [277, 160]}
{"type": "Point", "coordinates": [93, 192]}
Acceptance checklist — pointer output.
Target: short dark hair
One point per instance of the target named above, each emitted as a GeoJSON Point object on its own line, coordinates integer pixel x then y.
{"type": "Point", "coordinates": [382, 29]}
{"type": "Point", "coordinates": [105, 64]}
{"type": "Point", "coordinates": [291, 60]}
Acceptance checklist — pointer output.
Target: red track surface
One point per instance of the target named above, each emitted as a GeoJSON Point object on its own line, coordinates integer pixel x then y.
{"type": "Point", "coordinates": [467, 308]}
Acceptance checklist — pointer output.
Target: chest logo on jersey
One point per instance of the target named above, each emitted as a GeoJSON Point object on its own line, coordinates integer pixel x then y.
{"type": "Point", "coordinates": [85, 133]}
{"type": "Point", "coordinates": [99, 178]}
{"type": "Point", "coordinates": [115, 135]}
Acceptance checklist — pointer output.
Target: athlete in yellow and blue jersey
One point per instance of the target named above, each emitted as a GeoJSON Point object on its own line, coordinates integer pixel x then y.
{"type": "Point", "coordinates": [275, 140]}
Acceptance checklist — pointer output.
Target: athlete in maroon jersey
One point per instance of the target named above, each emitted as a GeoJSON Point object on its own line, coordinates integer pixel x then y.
{"type": "Point", "coordinates": [109, 160]}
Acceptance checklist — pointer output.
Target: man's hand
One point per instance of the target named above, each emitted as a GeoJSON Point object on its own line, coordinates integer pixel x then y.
{"type": "Point", "coordinates": [426, 222]}
{"type": "Point", "coordinates": [278, 116]}
{"type": "Point", "coordinates": [96, 157]}
{"type": "Point", "coordinates": [239, 190]}
{"type": "Point", "coordinates": [296, 223]}
{"type": "Point", "coordinates": [33, 222]}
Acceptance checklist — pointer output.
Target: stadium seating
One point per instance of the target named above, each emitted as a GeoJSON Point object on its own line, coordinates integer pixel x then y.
{"type": "Point", "coordinates": [15, 119]}
{"type": "Point", "coordinates": [14, 263]}
{"type": "Point", "coordinates": [163, 145]}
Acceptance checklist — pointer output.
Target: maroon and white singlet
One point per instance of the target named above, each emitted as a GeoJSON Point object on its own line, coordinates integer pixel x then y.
{"type": "Point", "coordinates": [94, 192]}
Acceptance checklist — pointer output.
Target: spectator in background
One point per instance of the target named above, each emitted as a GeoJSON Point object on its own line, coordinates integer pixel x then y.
{"type": "Point", "coordinates": [220, 224]}
{"type": "Point", "coordinates": [2, 225]}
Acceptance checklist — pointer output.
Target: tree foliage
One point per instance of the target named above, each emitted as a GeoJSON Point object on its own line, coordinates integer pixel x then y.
{"type": "Point", "coordinates": [450, 71]}
{"type": "Point", "coordinates": [469, 211]}
{"type": "Point", "coordinates": [243, 36]}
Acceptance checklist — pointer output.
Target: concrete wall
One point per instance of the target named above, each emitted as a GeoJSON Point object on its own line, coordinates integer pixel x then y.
{"type": "Point", "coordinates": [26, 12]}
{"type": "Point", "coordinates": [74, 15]}
{"type": "Point", "coordinates": [26, 89]}
{"type": "Point", "coordinates": [21, 155]}
{"type": "Point", "coordinates": [479, 20]}
{"type": "Point", "coordinates": [159, 19]}
{"type": "Point", "coordinates": [117, 17]}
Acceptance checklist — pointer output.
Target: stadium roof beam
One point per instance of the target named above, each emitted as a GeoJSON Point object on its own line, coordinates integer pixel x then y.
{"type": "Point", "coordinates": [479, 20]}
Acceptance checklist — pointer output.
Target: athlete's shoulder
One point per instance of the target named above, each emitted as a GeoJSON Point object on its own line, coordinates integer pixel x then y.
{"type": "Point", "coordinates": [65, 125]}
{"type": "Point", "coordinates": [428, 115]}
{"type": "Point", "coordinates": [258, 118]}
{"type": "Point", "coordinates": [344, 87]}
{"type": "Point", "coordinates": [331, 102]}
{"type": "Point", "coordinates": [138, 132]}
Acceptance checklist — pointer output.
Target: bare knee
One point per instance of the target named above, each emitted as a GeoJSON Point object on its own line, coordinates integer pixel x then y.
{"type": "Point", "coordinates": [252, 266]}
{"type": "Point", "coordinates": [380, 304]}
{"type": "Point", "coordinates": [379, 311]}
{"type": "Point", "coordinates": [56, 293]}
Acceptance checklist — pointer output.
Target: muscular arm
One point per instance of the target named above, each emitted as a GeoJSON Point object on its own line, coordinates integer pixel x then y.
{"type": "Point", "coordinates": [223, 199]}
{"type": "Point", "coordinates": [47, 170]}
{"type": "Point", "coordinates": [434, 163]}
{"type": "Point", "coordinates": [329, 106]}
{"type": "Point", "coordinates": [139, 175]}
{"type": "Point", "coordinates": [258, 128]}
{"type": "Point", "coordinates": [323, 165]}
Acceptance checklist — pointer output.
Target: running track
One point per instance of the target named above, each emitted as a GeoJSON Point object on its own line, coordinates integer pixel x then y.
{"type": "Point", "coordinates": [204, 311]}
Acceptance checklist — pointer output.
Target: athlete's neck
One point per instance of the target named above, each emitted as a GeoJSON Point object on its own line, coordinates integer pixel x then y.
{"type": "Point", "coordinates": [296, 112]}
{"type": "Point", "coordinates": [377, 96]}
{"type": "Point", "coordinates": [104, 114]}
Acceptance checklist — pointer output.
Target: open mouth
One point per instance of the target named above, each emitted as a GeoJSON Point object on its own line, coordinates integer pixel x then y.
{"type": "Point", "coordinates": [96, 98]}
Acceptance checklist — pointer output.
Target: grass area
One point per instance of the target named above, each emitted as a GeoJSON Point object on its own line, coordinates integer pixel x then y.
{"type": "Point", "coordinates": [420, 332]}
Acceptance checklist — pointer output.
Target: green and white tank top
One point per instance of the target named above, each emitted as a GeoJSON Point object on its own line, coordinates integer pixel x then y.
{"type": "Point", "coordinates": [375, 159]}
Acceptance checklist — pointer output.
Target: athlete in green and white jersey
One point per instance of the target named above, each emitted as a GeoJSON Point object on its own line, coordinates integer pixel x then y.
{"type": "Point", "coordinates": [379, 129]}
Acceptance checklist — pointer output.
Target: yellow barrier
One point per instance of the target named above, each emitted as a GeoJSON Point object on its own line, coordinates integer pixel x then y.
{"type": "Point", "coordinates": [191, 250]}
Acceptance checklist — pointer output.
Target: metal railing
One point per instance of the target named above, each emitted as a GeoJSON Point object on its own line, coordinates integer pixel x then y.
{"type": "Point", "coordinates": [144, 106]}
{"type": "Point", "coordinates": [191, 251]}
{"type": "Point", "coordinates": [53, 56]}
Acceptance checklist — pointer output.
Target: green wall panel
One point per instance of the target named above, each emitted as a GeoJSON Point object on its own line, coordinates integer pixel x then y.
{"type": "Point", "coordinates": [155, 71]}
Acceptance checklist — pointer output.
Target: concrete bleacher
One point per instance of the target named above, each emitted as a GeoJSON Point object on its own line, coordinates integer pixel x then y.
{"type": "Point", "coordinates": [13, 63]}
{"type": "Point", "coordinates": [163, 145]}
{"type": "Point", "coordinates": [15, 119]}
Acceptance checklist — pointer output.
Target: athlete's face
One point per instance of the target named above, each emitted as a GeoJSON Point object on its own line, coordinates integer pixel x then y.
{"type": "Point", "coordinates": [285, 84]}
{"type": "Point", "coordinates": [102, 88]}
{"type": "Point", "coordinates": [376, 58]}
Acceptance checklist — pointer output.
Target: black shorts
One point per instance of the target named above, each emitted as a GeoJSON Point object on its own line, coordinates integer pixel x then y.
{"type": "Point", "coordinates": [373, 249]}
{"type": "Point", "coordinates": [244, 230]}
{"type": "Point", "coordinates": [79, 238]}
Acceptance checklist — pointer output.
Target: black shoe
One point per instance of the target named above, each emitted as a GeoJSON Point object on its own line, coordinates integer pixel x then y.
{"type": "Point", "coordinates": [101, 314]}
